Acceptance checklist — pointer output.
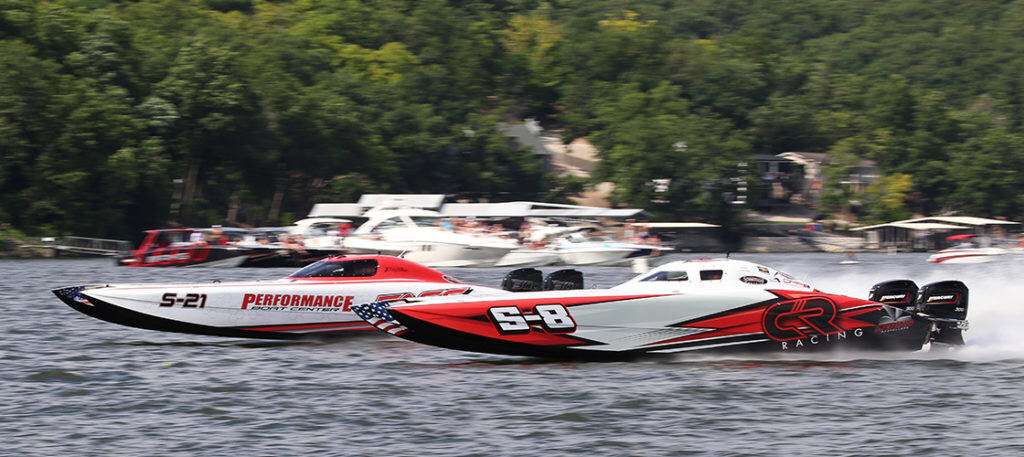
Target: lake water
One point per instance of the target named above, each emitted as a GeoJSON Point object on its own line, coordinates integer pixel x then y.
{"type": "Point", "coordinates": [73, 385]}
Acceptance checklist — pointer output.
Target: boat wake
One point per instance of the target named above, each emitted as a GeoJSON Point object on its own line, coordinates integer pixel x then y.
{"type": "Point", "coordinates": [996, 312]}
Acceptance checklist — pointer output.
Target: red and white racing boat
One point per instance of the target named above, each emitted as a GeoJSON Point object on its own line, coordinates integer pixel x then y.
{"type": "Point", "coordinates": [968, 251]}
{"type": "Point", "coordinates": [315, 301]}
{"type": "Point", "coordinates": [712, 305]}
{"type": "Point", "coordinates": [966, 254]}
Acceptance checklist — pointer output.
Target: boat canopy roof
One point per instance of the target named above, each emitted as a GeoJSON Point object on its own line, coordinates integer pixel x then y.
{"type": "Point", "coordinates": [369, 268]}
{"type": "Point", "coordinates": [718, 272]}
{"type": "Point", "coordinates": [675, 225]}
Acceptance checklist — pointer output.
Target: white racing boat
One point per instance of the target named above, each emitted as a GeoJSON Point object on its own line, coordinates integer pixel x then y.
{"type": "Point", "coordinates": [315, 301]}
{"type": "Point", "coordinates": [694, 306]}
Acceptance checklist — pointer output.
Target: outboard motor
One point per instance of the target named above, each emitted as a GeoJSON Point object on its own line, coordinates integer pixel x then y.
{"type": "Point", "coordinates": [899, 293]}
{"type": "Point", "coordinates": [567, 279]}
{"type": "Point", "coordinates": [523, 280]}
{"type": "Point", "coordinates": [945, 303]}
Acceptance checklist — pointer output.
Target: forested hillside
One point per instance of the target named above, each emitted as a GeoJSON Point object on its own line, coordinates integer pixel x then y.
{"type": "Point", "coordinates": [260, 107]}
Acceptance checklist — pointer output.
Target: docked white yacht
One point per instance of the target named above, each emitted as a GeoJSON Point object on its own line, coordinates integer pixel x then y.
{"type": "Point", "coordinates": [537, 250]}
{"type": "Point", "coordinates": [414, 234]}
{"type": "Point", "coordinates": [579, 249]}
{"type": "Point", "coordinates": [320, 232]}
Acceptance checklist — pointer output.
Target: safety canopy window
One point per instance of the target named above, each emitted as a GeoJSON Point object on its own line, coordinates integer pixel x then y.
{"type": "Point", "coordinates": [343, 269]}
{"type": "Point", "coordinates": [667, 276]}
{"type": "Point", "coordinates": [710, 275]}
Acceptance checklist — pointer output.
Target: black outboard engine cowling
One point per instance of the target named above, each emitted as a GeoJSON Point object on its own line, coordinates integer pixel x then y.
{"type": "Point", "coordinates": [523, 280]}
{"type": "Point", "coordinates": [945, 303]}
{"type": "Point", "coordinates": [567, 279]}
{"type": "Point", "coordinates": [900, 293]}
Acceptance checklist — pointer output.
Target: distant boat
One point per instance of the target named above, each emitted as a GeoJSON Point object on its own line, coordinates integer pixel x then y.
{"type": "Point", "coordinates": [966, 252]}
{"type": "Point", "coordinates": [411, 233]}
{"type": "Point", "coordinates": [186, 247]}
{"type": "Point", "coordinates": [851, 259]}
{"type": "Point", "coordinates": [578, 249]}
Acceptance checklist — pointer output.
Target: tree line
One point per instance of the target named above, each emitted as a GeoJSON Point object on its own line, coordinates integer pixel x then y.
{"type": "Point", "coordinates": [118, 116]}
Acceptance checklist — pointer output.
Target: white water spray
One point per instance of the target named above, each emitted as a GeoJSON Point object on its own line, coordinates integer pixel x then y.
{"type": "Point", "coordinates": [996, 309]}
{"type": "Point", "coordinates": [995, 313]}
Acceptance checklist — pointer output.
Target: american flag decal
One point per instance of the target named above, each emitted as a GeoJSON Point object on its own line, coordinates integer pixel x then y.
{"type": "Point", "coordinates": [377, 315]}
{"type": "Point", "coordinates": [74, 293]}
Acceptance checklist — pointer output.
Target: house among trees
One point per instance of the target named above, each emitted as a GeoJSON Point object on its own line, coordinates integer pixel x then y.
{"type": "Point", "coordinates": [799, 177]}
{"type": "Point", "coordinates": [929, 233]}
{"type": "Point", "coordinates": [576, 159]}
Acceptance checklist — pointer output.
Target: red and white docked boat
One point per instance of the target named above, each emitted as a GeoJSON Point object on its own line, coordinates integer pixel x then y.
{"type": "Point", "coordinates": [182, 247]}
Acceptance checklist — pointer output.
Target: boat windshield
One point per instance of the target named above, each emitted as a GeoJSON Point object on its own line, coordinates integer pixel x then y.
{"type": "Point", "coordinates": [345, 269]}
{"type": "Point", "coordinates": [667, 276]}
{"type": "Point", "coordinates": [711, 275]}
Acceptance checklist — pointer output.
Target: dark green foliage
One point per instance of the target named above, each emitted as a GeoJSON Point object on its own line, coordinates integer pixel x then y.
{"type": "Point", "coordinates": [113, 112]}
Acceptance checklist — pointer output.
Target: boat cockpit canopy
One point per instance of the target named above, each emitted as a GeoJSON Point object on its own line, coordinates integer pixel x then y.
{"type": "Point", "coordinates": [357, 268]}
{"type": "Point", "coordinates": [722, 271]}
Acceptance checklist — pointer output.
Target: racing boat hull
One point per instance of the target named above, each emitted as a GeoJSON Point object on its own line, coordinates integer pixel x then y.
{"type": "Point", "coordinates": [315, 302]}
{"type": "Point", "coordinates": [598, 330]}
{"type": "Point", "coordinates": [966, 255]}
{"type": "Point", "coordinates": [722, 306]}
{"type": "Point", "coordinates": [272, 326]}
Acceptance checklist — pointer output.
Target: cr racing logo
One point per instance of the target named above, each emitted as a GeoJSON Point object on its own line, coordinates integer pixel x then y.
{"type": "Point", "coordinates": [815, 340]}
{"type": "Point", "coordinates": [805, 322]}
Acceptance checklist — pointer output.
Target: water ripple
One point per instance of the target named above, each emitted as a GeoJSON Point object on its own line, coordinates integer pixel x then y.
{"type": "Point", "coordinates": [75, 385]}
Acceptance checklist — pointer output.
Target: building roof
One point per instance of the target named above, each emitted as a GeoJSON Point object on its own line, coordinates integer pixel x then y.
{"type": "Point", "coordinates": [675, 225]}
{"type": "Point", "coordinates": [911, 226]}
{"type": "Point", "coordinates": [375, 202]}
{"type": "Point", "coordinates": [961, 220]}
{"type": "Point", "coordinates": [429, 201]}
{"type": "Point", "coordinates": [532, 209]}
{"type": "Point", "coordinates": [336, 210]}
{"type": "Point", "coordinates": [804, 157]}
{"type": "Point", "coordinates": [367, 201]}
